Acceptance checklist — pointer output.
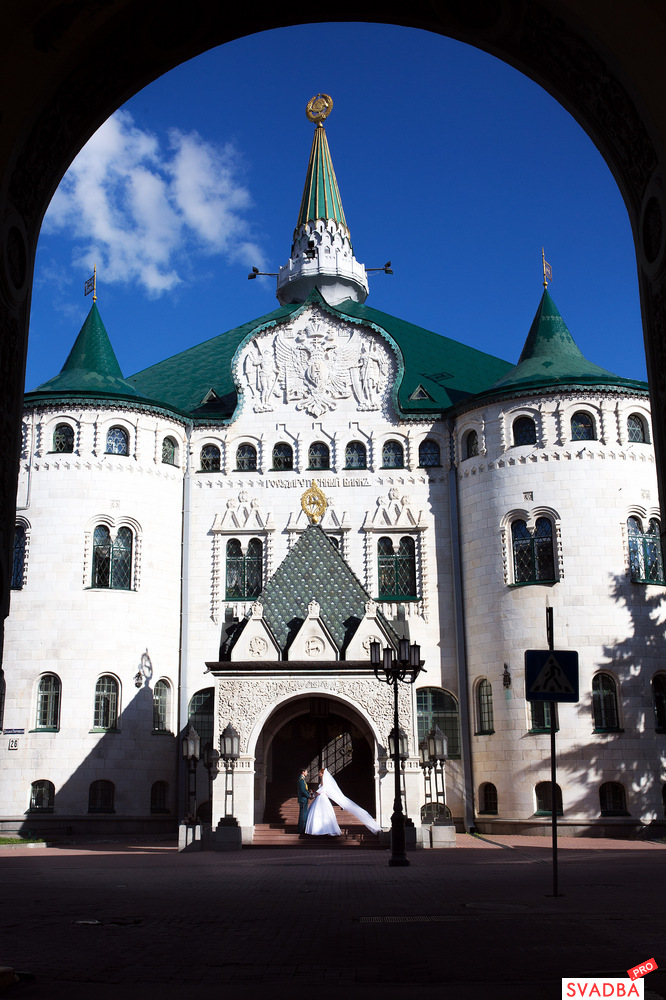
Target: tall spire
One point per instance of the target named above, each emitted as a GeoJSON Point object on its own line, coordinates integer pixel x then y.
{"type": "Point", "coordinates": [322, 255]}
{"type": "Point", "coordinates": [321, 196]}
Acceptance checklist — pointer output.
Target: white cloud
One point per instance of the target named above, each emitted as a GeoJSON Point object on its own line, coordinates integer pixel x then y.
{"type": "Point", "coordinates": [140, 209]}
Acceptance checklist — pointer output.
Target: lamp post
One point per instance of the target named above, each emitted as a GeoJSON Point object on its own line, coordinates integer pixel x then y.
{"type": "Point", "coordinates": [437, 753]}
{"type": "Point", "coordinates": [426, 765]}
{"type": "Point", "coordinates": [393, 670]}
{"type": "Point", "coordinates": [229, 752]}
{"type": "Point", "coordinates": [211, 757]}
{"type": "Point", "coordinates": [191, 748]}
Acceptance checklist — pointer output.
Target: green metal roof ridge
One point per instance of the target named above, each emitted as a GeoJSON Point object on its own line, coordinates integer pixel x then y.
{"type": "Point", "coordinates": [321, 195]}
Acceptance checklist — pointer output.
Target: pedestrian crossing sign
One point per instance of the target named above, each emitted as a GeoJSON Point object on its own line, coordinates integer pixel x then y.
{"type": "Point", "coordinates": [551, 675]}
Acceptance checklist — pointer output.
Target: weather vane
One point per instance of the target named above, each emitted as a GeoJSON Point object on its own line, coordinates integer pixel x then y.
{"type": "Point", "coordinates": [547, 270]}
{"type": "Point", "coordinates": [319, 108]}
{"type": "Point", "coordinates": [91, 285]}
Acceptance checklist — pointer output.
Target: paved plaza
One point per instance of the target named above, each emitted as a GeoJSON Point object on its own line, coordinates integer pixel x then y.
{"type": "Point", "coordinates": [139, 920]}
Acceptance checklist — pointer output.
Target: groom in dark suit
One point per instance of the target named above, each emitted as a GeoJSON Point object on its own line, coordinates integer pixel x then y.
{"type": "Point", "coordinates": [303, 799]}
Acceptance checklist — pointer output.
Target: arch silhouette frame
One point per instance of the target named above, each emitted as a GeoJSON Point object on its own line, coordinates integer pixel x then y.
{"type": "Point", "coordinates": [68, 67]}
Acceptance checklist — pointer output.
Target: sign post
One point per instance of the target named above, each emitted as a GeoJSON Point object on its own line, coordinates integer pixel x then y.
{"type": "Point", "coordinates": [551, 675]}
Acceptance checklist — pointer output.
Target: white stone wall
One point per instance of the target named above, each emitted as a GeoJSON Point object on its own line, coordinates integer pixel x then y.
{"type": "Point", "coordinates": [588, 488]}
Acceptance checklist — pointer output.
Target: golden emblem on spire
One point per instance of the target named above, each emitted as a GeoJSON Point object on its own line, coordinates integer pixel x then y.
{"type": "Point", "coordinates": [319, 107]}
{"type": "Point", "coordinates": [314, 503]}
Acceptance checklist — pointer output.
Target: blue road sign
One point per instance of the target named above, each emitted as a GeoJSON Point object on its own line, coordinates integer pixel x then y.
{"type": "Point", "coordinates": [551, 675]}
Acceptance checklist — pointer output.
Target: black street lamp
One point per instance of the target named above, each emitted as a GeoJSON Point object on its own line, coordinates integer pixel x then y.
{"type": "Point", "coordinates": [404, 668]}
{"type": "Point", "coordinates": [191, 752]}
{"type": "Point", "coordinates": [437, 748]}
{"type": "Point", "coordinates": [229, 752]}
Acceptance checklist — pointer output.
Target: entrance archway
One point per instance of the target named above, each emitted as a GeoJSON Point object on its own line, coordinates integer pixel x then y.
{"type": "Point", "coordinates": [312, 732]}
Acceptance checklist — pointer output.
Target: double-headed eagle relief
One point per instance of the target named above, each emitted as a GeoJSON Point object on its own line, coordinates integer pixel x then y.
{"type": "Point", "coordinates": [314, 368]}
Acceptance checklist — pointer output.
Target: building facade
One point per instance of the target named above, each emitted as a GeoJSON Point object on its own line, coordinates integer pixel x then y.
{"type": "Point", "coordinates": [167, 572]}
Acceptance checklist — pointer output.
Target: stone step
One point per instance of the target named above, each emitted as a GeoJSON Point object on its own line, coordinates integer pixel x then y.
{"type": "Point", "coordinates": [279, 835]}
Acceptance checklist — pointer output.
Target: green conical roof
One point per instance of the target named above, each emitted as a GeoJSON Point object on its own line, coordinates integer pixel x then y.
{"type": "Point", "coordinates": [551, 357]}
{"type": "Point", "coordinates": [321, 197]}
{"type": "Point", "coordinates": [91, 368]}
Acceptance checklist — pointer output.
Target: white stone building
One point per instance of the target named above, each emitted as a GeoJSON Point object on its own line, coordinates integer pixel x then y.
{"type": "Point", "coordinates": [166, 572]}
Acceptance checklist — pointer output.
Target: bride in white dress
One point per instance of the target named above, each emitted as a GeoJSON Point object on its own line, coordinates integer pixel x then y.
{"type": "Point", "coordinates": [321, 814]}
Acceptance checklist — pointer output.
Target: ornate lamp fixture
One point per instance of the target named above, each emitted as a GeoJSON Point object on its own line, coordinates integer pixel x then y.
{"type": "Point", "coordinates": [404, 668]}
{"type": "Point", "coordinates": [191, 750]}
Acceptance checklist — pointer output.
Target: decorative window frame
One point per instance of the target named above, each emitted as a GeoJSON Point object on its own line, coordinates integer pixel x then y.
{"type": "Point", "coordinates": [254, 442]}
{"type": "Point", "coordinates": [509, 418]}
{"type": "Point", "coordinates": [601, 730]}
{"type": "Point", "coordinates": [400, 439]}
{"type": "Point", "coordinates": [614, 812]}
{"type": "Point", "coordinates": [23, 522]}
{"type": "Point", "coordinates": [482, 810]}
{"type": "Point", "coordinates": [198, 448]}
{"type": "Point", "coordinates": [244, 518]}
{"type": "Point", "coordinates": [644, 515]}
{"type": "Point", "coordinates": [595, 414]}
{"type": "Point", "coordinates": [478, 715]}
{"type": "Point", "coordinates": [530, 516]}
{"type": "Point", "coordinates": [35, 703]}
{"type": "Point", "coordinates": [169, 729]}
{"type": "Point", "coordinates": [119, 706]}
{"type": "Point", "coordinates": [643, 412]}
{"type": "Point", "coordinates": [395, 517]}
{"type": "Point", "coordinates": [114, 525]}
{"type": "Point", "coordinates": [356, 434]}
{"type": "Point", "coordinates": [463, 431]}
{"type": "Point", "coordinates": [436, 439]}
{"type": "Point", "coordinates": [131, 429]}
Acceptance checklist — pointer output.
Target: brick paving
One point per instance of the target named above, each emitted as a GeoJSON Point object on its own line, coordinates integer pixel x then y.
{"type": "Point", "coordinates": [139, 920]}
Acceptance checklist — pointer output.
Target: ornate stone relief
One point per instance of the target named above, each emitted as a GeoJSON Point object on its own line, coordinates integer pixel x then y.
{"type": "Point", "coordinates": [242, 701]}
{"type": "Point", "coordinates": [315, 366]}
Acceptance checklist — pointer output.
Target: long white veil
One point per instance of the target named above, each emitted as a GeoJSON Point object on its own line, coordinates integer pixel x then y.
{"type": "Point", "coordinates": [332, 789]}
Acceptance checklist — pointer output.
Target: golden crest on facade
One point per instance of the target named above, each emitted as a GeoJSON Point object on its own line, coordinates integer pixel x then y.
{"type": "Point", "coordinates": [314, 503]}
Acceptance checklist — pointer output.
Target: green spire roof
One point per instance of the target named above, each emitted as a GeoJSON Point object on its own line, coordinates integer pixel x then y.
{"type": "Point", "coordinates": [551, 357]}
{"type": "Point", "coordinates": [321, 197]}
{"type": "Point", "coordinates": [91, 368]}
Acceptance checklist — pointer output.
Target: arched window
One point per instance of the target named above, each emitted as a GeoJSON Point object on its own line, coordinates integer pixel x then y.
{"type": "Point", "coordinates": [524, 431]}
{"type": "Point", "coordinates": [63, 439]}
{"type": "Point", "coordinates": [101, 797]}
{"type": "Point", "coordinates": [319, 456]}
{"type": "Point", "coordinates": [356, 456]}
{"type": "Point", "coordinates": [210, 458]}
{"type": "Point", "coordinates": [612, 799]}
{"type": "Point", "coordinates": [283, 457]}
{"type": "Point", "coordinates": [162, 707]}
{"type": "Point", "coordinates": [645, 558]}
{"type": "Point", "coordinates": [488, 798]}
{"type": "Point", "coordinates": [393, 456]}
{"type": "Point", "coordinates": [543, 793]}
{"type": "Point", "coordinates": [200, 715]}
{"type": "Point", "coordinates": [533, 555]}
{"type": "Point", "coordinates": [484, 698]}
{"type": "Point", "coordinates": [246, 458]}
{"type": "Point", "coordinates": [636, 429]}
{"type": "Point", "coordinates": [159, 797]}
{"type": "Point", "coordinates": [48, 702]}
{"type": "Point", "coordinates": [435, 707]}
{"type": "Point", "coordinates": [106, 703]}
{"type": "Point", "coordinates": [429, 454]}
{"type": "Point", "coordinates": [471, 447]}
{"type": "Point", "coordinates": [169, 451]}
{"type": "Point", "coordinates": [18, 557]}
{"type": "Point", "coordinates": [582, 427]}
{"type": "Point", "coordinates": [659, 701]}
{"type": "Point", "coordinates": [604, 704]}
{"type": "Point", "coordinates": [541, 714]}
{"type": "Point", "coordinates": [244, 572]}
{"type": "Point", "coordinates": [396, 570]}
{"type": "Point", "coordinates": [42, 796]}
{"type": "Point", "coordinates": [117, 441]}
{"type": "Point", "coordinates": [112, 561]}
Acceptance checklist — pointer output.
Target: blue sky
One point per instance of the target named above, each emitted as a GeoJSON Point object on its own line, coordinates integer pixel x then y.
{"type": "Point", "coordinates": [450, 164]}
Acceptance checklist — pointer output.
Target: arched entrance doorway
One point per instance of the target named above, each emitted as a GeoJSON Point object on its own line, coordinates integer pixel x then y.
{"type": "Point", "coordinates": [313, 732]}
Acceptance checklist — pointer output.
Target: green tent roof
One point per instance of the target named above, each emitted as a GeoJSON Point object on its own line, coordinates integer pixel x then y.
{"type": "Point", "coordinates": [434, 373]}
{"type": "Point", "coordinates": [321, 197]}
{"type": "Point", "coordinates": [91, 368]}
{"type": "Point", "coordinates": [550, 356]}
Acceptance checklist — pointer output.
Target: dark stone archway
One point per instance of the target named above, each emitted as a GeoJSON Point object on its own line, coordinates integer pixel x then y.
{"type": "Point", "coordinates": [67, 65]}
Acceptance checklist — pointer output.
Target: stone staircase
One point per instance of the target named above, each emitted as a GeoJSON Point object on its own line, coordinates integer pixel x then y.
{"type": "Point", "coordinates": [283, 832]}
